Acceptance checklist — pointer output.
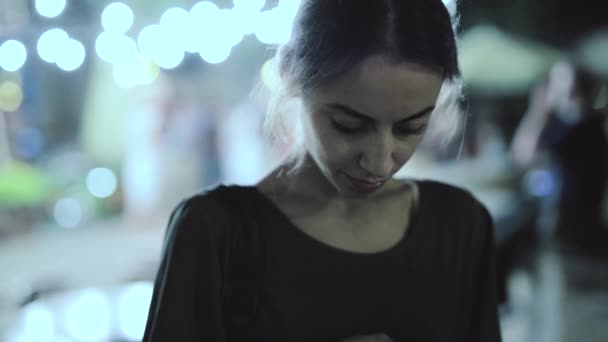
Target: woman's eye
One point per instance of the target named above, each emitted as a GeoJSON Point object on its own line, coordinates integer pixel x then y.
{"type": "Point", "coordinates": [411, 130]}
{"type": "Point", "coordinates": [347, 127]}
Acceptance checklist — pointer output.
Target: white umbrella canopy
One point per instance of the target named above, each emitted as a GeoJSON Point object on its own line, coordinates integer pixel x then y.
{"type": "Point", "coordinates": [494, 62]}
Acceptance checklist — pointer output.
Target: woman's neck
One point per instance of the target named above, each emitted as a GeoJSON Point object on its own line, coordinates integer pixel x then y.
{"type": "Point", "coordinates": [302, 179]}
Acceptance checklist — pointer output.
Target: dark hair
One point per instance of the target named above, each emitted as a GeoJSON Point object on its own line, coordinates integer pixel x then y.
{"type": "Point", "coordinates": [330, 37]}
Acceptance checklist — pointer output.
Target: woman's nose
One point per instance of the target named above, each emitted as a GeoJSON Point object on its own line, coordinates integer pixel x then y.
{"type": "Point", "coordinates": [378, 159]}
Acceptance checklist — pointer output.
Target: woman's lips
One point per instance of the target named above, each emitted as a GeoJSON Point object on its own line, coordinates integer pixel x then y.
{"type": "Point", "coordinates": [365, 185]}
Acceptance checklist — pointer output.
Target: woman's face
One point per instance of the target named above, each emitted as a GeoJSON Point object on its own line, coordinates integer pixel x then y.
{"type": "Point", "coordinates": [363, 127]}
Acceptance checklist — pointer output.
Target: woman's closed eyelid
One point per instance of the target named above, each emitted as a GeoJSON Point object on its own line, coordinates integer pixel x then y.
{"type": "Point", "coordinates": [412, 130]}
{"type": "Point", "coordinates": [349, 122]}
{"type": "Point", "coordinates": [344, 119]}
{"type": "Point", "coordinates": [348, 128]}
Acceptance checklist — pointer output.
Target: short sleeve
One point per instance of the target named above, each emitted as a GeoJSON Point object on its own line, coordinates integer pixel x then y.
{"type": "Point", "coordinates": [186, 304]}
{"type": "Point", "coordinates": [484, 324]}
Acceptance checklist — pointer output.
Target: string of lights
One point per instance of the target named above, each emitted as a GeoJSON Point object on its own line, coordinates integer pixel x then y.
{"type": "Point", "coordinates": [204, 29]}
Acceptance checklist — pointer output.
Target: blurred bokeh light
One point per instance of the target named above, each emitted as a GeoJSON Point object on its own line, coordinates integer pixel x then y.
{"type": "Point", "coordinates": [50, 44]}
{"type": "Point", "coordinates": [68, 212]}
{"type": "Point", "coordinates": [88, 317]}
{"type": "Point", "coordinates": [133, 304]}
{"type": "Point", "coordinates": [11, 96]}
{"type": "Point", "coordinates": [117, 17]}
{"type": "Point", "coordinates": [101, 182]}
{"type": "Point", "coordinates": [12, 55]}
{"type": "Point", "coordinates": [73, 55]}
{"type": "Point", "coordinates": [50, 8]}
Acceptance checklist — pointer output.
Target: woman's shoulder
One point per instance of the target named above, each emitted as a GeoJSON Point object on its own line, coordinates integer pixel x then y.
{"type": "Point", "coordinates": [219, 195]}
{"type": "Point", "coordinates": [447, 191]}
{"type": "Point", "coordinates": [456, 214]}
{"type": "Point", "coordinates": [208, 211]}
{"type": "Point", "coordinates": [451, 200]}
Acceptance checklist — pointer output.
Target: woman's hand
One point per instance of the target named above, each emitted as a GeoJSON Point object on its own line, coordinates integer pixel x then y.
{"type": "Point", "coordinates": [369, 338]}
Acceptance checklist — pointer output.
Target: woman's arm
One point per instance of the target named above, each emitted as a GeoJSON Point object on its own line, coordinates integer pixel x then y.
{"type": "Point", "coordinates": [526, 143]}
{"type": "Point", "coordinates": [186, 303]}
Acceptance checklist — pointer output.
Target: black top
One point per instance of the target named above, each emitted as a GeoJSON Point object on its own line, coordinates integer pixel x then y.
{"type": "Point", "coordinates": [436, 284]}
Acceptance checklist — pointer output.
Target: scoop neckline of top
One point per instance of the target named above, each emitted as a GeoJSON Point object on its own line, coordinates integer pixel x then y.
{"type": "Point", "coordinates": [414, 221]}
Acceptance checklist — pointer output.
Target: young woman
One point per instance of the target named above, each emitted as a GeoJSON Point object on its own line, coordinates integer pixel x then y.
{"type": "Point", "coordinates": [329, 246]}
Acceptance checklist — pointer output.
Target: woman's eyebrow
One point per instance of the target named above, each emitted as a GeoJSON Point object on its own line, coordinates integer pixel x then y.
{"type": "Point", "coordinates": [352, 112]}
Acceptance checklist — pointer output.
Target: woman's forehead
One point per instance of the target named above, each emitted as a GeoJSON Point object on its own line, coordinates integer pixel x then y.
{"type": "Point", "coordinates": [380, 86]}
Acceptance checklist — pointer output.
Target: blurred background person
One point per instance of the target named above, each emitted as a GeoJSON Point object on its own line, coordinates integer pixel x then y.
{"type": "Point", "coordinates": [563, 126]}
